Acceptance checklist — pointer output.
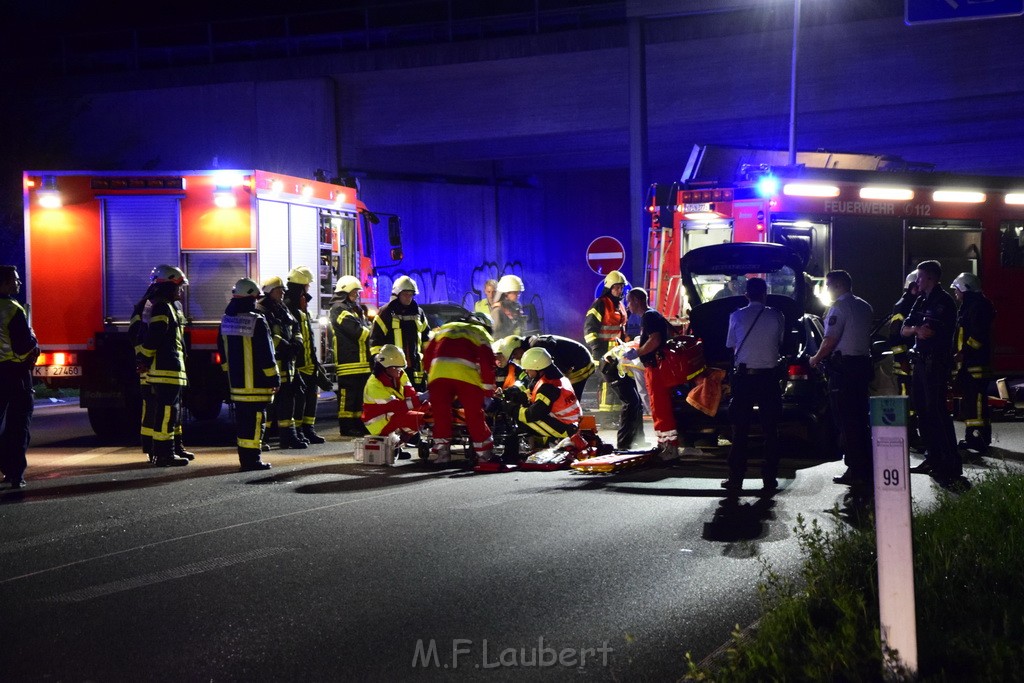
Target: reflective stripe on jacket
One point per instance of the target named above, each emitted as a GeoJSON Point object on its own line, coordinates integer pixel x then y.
{"type": "Point", "coordinates": [461, 351]}
{"type": "Point", "coordinates": [382, 400]}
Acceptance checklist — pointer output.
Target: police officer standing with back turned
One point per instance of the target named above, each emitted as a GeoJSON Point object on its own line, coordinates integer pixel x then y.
{"type": "Point", "coordinates": [18, 352]}
{"type": "Point", "coordinates": [932, 323]}
{"type": "Point", "coordinates": [755, 336]}
{"type": "Point", "coordinates": [847, 349]}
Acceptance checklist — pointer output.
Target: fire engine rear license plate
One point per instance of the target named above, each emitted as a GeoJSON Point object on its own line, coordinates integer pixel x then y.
{"type": "Point", "coordinates": [57, 371]}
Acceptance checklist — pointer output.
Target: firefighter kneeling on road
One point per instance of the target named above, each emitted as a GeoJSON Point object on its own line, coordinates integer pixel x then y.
{"type": "Point", "coordinates": [570, 356]}
{"type": "Point", "coordinates": [390, 403]}
{"type": "Point", "coordinates": [245, 344]}
{"type": "Point", "coordinates": [551, 409]}
{"type": "Point", "coordinates": [460, 367]}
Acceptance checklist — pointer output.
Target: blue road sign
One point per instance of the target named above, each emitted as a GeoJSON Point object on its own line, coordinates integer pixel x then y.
{"type": "Point", "coordinates": [925, 11]}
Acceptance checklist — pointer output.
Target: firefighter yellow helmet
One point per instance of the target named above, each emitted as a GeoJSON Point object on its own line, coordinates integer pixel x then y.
{"type": "Point", "coordinates": [510, 283]}
{"type": "Point", "coordinates": [404, 284]}
{"type": "Point", "coordinates": [165, 273]}
{"type": "Point", "coordinates": [347, 284]}
{"type": "Point", "coordinates": [615, 278]}
{"type": "Point", "coordinates": [966, 282]}
{"type": "Point", "coordinates": [272, 283]}
{"type": "Point", "coordinates": [536, 358]}
{"type": "Point", "coordinates": [391, 356]}
{"type": "Point", "coordinates": [245, 287]}
{"type": "Point", "coordinates": [301, 275]}
{"type": "Point", "coordinates": [506, 345]}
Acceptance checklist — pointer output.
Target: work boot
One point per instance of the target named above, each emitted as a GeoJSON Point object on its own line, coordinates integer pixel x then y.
{"type": "Point", "coordinates": [290, 439]}
{"type": "Point", "coordinates": [311, 436]}
{"type": "Point", "coordinates": [440, 453]}
{"type": "Point", "coordinates": [179, 449]}
{"type": "Point", "coordinates": [163, 455]}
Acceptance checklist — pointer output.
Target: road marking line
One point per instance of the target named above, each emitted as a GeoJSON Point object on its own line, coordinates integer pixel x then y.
{"type": "Point", "coordinates": [197, 534]}
{"type": "Point", "coordinates": [187, 570]}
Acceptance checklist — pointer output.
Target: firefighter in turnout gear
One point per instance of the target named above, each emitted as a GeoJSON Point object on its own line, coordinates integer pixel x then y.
{"type": "Point", "coordinates": [390, 402]}
{"type": "Point", "coordinates": [288, 345]}
{"type": "Point", "coordinates": [245, 345]}
{"type": "Point", "coordinates": [161, 357]}
{"type": "Point", "coordinates": [306, 363]}
{"type": "Point", "coordinates": [509, 316]}
{"type": "Point", "coordinates": [570, 356]}
{"type": "Point", "coordinates": [901, 353]}
{"type": "Point", "coordinates": [350, 341]}
{"type": "Point", "coordinates": [974, 360]}
{"type": "Point", "coordinates": [553, 411]}
{"type": "Point", "coordinates": [400, 322]}
{"type": "Point", "coordinates": [18, 352]}
{"type": "Point", "coordinates": [460, 367]}
{"type": "Point", "coordinates": [605, 324]}
{"type": "Point", "coordinates": [137, 325]}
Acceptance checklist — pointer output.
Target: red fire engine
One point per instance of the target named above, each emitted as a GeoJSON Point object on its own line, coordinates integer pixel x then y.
{"type": "Point", "coordinates": [92, 238]}
{"type": "Point", "coordinates": [876, 217]}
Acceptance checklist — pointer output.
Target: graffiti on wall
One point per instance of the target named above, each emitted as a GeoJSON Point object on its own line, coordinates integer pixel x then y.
{"type": "Point", "coordinates": [435, 286]}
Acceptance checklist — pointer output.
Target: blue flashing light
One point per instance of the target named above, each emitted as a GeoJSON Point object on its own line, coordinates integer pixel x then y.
{"type": "Point", "coordinates": [768, 186]}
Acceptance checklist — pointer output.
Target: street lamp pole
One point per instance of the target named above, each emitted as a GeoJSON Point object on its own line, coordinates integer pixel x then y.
{"type": "Point", "coordinates": [792, 83]}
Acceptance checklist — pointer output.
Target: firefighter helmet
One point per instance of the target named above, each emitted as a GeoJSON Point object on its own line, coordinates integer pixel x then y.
{"type": "Point", "coordinates": [506, 345]}
{"type": "Point", "coordinates": [404, 284]}
{"type": "Point", "coordinates": [615, 278]}
{"type": "Point", "coordinates": [480, 320]}
{"type": "Point", "coordinates": [245, 287]}
{"type": "Point", "coordinates": [966, 282]}
{"type": "Point", "coordinates": [347, 284]}
{"type": "Point", "coordinates": [911, 279]}
{"type": "Point", "coordinates": [391, 356]}
{"type": "Point", "coordinates": [510, 283]}
{"type": "Point", "coordinates": [165, 273]}
{"type": "Point", "coordinates": [272, 283]}
{"type": "Point", "coordinates": [536, 358]}
{"type": "Point", "coordinates": [301, 275]}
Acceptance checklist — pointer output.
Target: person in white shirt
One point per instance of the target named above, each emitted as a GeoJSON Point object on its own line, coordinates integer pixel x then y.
{"type": "Point", "coordinates": [755, 336]}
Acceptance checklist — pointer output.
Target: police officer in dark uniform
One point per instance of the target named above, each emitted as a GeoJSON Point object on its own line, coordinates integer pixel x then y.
{"type": "Point", "coordinates": [974, 360]}
{"type": "Point", "coordinates": [932, 323]}
{"type": "Point", "coordinates": [847, 350]}
{"type": "Point", "coordinates": [755, 336]}
{"type": "Point", "coordinates": [18, 352]}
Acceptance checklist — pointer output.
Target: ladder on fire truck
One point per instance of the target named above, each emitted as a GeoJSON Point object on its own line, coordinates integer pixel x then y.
{"type": "Point", "coordinates": [659, 245]}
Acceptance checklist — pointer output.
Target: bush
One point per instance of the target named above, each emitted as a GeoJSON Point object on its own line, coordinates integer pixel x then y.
{"type": "Point", "coordinates": [823, 624]}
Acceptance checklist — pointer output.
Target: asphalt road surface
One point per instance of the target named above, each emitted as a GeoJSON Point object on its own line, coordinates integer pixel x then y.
{"type": "Point", "coordinates": [326, 569]}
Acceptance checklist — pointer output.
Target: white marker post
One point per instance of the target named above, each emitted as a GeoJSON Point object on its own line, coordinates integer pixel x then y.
{"type": "Point", "coordinates": [892, 527]}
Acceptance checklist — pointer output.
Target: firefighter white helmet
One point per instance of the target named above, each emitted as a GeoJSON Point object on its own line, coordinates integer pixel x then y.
{"type": "Point", "coordinates": [536, 358]}
{"type": "Point", "coordinates": [615, 278]}
{"type": "Point", "coordinates": [347, 284]}
{"type": "Point", "coordinates": [165, 273]}
{"type": "Point", "coordinates": [301, 275]}
{"type": "Point", "coordinates": [911, 279]}
{"type": "Point", "coordinates": [506, 345]}
{"type": "Point", "coordinates": [404, 284]}
{"type": "Point", "coordinates": [391, 356]}
{"type": "Point", "coordinates": [966, 282]}
{"type": "Point", "coordinates": [510, 283]}
{"type": "Point", "coordinates": [245, 287]}
{"type": "Point", "coordinates": [272, 283]}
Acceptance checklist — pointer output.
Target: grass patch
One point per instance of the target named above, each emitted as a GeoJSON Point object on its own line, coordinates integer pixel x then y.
{"type": "Point", "coordinates": [969, 588]}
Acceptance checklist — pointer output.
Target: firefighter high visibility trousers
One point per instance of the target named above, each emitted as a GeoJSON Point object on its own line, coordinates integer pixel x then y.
{"type": "Point", "coordinates": [443, 392]}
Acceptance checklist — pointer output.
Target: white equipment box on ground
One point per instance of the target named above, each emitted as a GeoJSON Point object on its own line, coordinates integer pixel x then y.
{"type": "Point", "coordinates": [375, 450]}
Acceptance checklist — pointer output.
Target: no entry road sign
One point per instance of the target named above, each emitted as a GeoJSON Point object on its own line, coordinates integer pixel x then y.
{"type": "Point", "coordinates": [605, 254]}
